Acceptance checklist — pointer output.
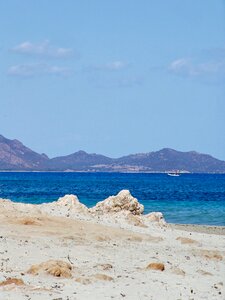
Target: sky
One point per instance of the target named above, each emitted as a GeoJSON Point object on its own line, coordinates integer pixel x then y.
{"type": "Point", "coordinates": [113, 77]}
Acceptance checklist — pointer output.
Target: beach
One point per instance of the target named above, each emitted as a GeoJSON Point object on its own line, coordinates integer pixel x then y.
{"type": "Point", "coordinates": [63, 251]}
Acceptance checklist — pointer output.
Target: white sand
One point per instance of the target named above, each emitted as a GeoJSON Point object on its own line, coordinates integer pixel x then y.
{"type": "Point", "coordinates": [194, 266]}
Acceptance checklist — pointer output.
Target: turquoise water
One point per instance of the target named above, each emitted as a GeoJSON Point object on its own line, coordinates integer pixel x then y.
{"type": "Point", "coordinates": [190, 198]}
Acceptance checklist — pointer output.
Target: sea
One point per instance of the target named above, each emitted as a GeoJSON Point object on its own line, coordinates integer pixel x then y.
{"type": "Point", "coordinates": [187, 199]}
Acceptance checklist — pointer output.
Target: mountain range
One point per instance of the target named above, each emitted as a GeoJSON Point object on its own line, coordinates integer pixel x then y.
{"type": "Point", "coordinates": [14, 156]}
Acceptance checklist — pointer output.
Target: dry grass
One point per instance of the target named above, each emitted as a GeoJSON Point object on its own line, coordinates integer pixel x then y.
{"type": "Point", "coordinates": [57, 268]}
{"type": "Point", "coordinates": [16, 281]}
{"type": "Point", "coordinates": [184, 240]}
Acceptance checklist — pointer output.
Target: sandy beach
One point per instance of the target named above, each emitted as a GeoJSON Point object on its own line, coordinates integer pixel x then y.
{"type": "Point", "coordinates": [63, 250]}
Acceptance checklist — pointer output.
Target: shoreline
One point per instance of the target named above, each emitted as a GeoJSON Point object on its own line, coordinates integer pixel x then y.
{"type": "Point", "coordinates": [201, 228]}
{"type": "Point", "coordinates": [109, 172]}
{"type": "Point", "coordinates": [208, 229]}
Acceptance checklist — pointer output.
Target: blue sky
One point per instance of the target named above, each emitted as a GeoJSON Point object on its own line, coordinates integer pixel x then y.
{"type": "Point", "coordinates": [113, 77]}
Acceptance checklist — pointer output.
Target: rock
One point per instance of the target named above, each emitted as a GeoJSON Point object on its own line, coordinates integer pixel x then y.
{"type": "Point", "coordinates": [122, 201]}
{"type": "Point", "coordinates": [72, 203]}
{"type": "Point", "coordinates": [16, 281]}
{"type": "Point", "coordinates": [156, 266]}
{"type": "Point", "coordinates": [135, 220]}
{"type": "Point", "coordinates": [156, 217]}
{"type": "Point", "coordinates": [66, 206]}
{"type": "Point", "coordinates": [56, 268]}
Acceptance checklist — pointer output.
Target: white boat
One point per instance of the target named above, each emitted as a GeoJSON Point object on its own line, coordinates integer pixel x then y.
{"type": "Point", "coordinates": [174, 173]}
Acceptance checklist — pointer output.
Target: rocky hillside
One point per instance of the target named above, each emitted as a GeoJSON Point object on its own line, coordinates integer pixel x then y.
{"type": "Point", "coordinates": [15, 156]}
{"type": "Point", "coordinates": [169, 159]}
{"type": "Point", "coordinates": [79, 160]}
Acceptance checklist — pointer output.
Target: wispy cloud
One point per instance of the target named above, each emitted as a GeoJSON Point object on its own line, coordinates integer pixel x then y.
{"type": "Point", "coordinates": [185, 66]}
{"type": "Point", "coordinates": [116, 65]}
{"type": "Point", "coordinates": [208, 65]}
{"type": "Point", "coordinates": [37, 69]}
{"type": "Point", "coordinates": [42, 49]}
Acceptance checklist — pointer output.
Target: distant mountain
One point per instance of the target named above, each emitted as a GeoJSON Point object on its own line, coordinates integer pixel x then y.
{"type": "Point", "coordinates": [14, 156]}
{"type": "Point", "coordinates": [169, 159]}
{"type": "Point", "coordinates": [79, 161]}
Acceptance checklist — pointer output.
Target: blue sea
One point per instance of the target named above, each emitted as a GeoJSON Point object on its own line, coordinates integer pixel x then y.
{"type": "Point", "coordinates": [187, 199]}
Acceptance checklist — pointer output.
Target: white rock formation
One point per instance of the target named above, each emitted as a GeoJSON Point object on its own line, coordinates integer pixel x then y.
{"type": "Point", "coordinates": [156, 217]}
{"type": "Point", "coordinates": [67, 206]}
{"type": "Point", "coordinates": [72, 203]}
{"type": "Point", "coordinates": [123, 201]}
{"type": "Point", "coordinates": [122, 210]}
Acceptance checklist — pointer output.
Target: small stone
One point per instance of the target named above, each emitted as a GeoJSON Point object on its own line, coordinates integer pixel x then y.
{"type": "Point", "coordinates": [156, 266]}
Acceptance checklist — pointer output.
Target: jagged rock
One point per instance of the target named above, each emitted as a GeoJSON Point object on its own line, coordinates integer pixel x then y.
{"type": "Point", "coordinates": [122, 201]}
{"type": "Point", "coordinates": [56, 268]}
{"type": "Point", "coordinates": [156, 217]}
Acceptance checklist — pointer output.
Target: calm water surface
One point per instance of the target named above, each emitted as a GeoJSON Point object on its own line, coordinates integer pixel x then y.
{"type": "Point", "coordinates": [190, 198]}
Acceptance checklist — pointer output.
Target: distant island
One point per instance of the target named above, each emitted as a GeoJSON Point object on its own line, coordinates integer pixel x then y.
{"type": "Point", "coordinates": [14, 156]}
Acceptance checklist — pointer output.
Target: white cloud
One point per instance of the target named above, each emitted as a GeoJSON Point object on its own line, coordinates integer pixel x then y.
{"type": "Point", "coordinates": [188, 67]}
{"type": "Point", "coordinates": [209, 66]}
{"type": "Point", "coordinates": [42, 49]}
{"type": "Point", "coordinates": [37, 69]}
{"type": "Point", "coordinates": [183, 66]}
{"type": "Point", "coordinates": [116, 65]}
